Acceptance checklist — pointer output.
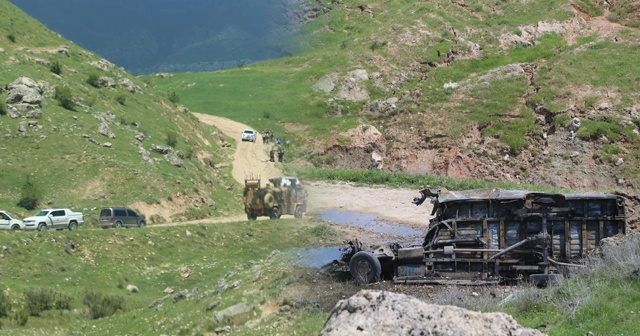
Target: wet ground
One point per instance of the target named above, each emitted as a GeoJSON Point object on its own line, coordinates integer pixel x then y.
{"type": "Point", "coordinates": [317, 257]}
{"type": "Point", "coordinates": [369, 222]}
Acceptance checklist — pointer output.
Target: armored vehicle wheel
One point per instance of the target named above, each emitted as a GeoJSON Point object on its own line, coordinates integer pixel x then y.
{"type": "Point", "coordinates": [365, 268]}
{"type": "Point", "coordinates": [543, 280]}
{"type": "Point", "coordinates": [298, 212]}
{"type": "Point", "coordinates": [251, 216]}
{"type": "Point", "coordinates": [275, 213]}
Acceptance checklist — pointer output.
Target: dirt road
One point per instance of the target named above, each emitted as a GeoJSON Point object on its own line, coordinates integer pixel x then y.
{"type": "Point", "coordinates": [250, 159]}
{"type": "Point", "coordinates": [392, 205]}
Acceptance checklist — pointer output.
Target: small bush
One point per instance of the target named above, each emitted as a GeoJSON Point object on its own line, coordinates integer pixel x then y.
{"type": "Point", "coordinates": [56, 68]}
{"type": "Point", "coordinates": [3, 107]}
{"type": "Point", "coordinates": [99, 305]}
{"type": "Point", "coordinates": [21, 317]}
{"type": "Point", "coordinates": [30, 195]}
{"type": "Point", "coordinates": [62, 301]}
{"type": "Point", "coordinates": [5, 304]}
{"type": "Point", "coordinates": [11, 38]}
{"type": "Point", "coordinates": [121, 99]}
{"type": "Point", "coordinates": [266, 114]}
{"type": "Point", "coordinates": [172, 139]}
{"type": "Point", "coordinates": [173, 97]}
{"type": "Point", "coordinates": [39, 300]}
{"type": "Point", "coordinates": [94, 80]}
{"type": "Point", "coordinates": [65, 97]}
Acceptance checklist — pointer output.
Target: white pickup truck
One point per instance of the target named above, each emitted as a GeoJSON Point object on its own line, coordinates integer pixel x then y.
{"type": "Point", "coordinates": [58, 219]}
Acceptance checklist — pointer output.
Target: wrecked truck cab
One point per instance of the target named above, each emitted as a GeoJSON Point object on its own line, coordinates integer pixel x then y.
{"type": "Point", "coordinates": [490, 236]}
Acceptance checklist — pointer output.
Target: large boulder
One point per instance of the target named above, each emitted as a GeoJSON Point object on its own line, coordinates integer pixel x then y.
{"type": "Point", "coordinates": [372, 312]}
{"type": "Point", "coordinates": [25, 90]}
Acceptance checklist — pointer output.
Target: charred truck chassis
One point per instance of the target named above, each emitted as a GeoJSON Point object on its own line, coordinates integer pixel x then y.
{"type": "Point", "coordinates": [490, 236]}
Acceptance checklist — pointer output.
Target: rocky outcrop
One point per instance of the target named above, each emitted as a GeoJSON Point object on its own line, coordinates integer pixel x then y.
{"type": "Point", "coordinates": [350, 86]}
{"type": "Point", "coordinates": [25, 90]}
{"type": "Point", "coordinates": [372, 312]}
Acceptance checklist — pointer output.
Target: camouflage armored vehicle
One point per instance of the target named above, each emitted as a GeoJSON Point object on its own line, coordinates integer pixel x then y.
{"type": "Point", "coordinates": [491, 236]}
{"type": "Point", "coordinates": [283, 196]}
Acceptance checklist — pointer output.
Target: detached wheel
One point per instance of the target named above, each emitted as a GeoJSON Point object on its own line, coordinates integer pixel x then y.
{"type": "Point", "coordinates": [73, 226]}
{"type": "Point", "coordinates": [275, 213]}
{"type": "Point", "coordinates": [365, 268]}
{"type": "Point", "coordinates": [544, 280]}
{"type": "Point", "coordinates": [298, 212]}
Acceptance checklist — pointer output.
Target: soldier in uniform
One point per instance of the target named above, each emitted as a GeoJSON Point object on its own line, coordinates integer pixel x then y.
{"type": "Point", "coordinates": [271, 155]}
{"type": "Point", "coordinates": [280, 154]}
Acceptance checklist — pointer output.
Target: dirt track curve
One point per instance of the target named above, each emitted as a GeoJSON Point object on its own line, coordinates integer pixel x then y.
{"type": "Point", "coordinates": [392, 205]}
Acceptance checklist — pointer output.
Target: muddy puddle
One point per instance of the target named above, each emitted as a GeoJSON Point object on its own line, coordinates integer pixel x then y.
{"type": "Point", "coordinates": [369, 223]}
{"type": "Point", "coordinates": [318, 257]}
{"type": "Point", "coordinates": [315, 257]}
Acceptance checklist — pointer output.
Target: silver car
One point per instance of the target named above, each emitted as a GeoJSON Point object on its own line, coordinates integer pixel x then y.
{"type": "Point", "coordinates": [249, 135]}
{"type": "Point", "coordinates": [9, 222]}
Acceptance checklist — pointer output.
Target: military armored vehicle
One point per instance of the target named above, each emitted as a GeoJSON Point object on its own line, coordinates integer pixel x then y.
{"type": "Point", "coordinates": [490, 236]}
{"type": "Point", "coordinates": [282, 196]}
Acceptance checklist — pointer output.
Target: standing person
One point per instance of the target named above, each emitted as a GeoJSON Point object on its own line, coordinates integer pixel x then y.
{"type": "Point", "coordinates": [271, 156]}
{"type": "Point", "coordinates": [280, 154]}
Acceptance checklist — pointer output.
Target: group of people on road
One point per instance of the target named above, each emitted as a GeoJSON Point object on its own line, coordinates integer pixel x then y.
{"type": "Point", "coordinates": [267, 136]}
{"type": "Point", "coordinates": [278, 149]}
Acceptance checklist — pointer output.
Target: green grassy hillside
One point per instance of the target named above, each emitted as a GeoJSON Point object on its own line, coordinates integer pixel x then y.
{"type": "Point", "coordinates": [487, 80]}
{"type": "Point", "coordinates": [57, 152]}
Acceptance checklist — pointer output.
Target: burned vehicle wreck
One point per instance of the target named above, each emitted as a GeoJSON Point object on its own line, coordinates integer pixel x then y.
{"type": "Point", "coordinates": [490, 236]}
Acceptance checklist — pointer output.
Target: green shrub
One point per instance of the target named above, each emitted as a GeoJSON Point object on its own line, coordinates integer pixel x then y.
{"type": "Point", "coordinates": [5, 304]}
{"type": "Point", "coordinates": [94, 80]}
{"type": "Point", "coordinates": [121, 99]}
{"type": "Point", "coordinates": [173, 97]}
{"type": "Point", "coordinates": [99, 305]}
{"type": "Point", "coordinates": [56, 68]}
{"type": "Point", "coordinates": [31, 195]}
{"type": "Point", "coordinates": [11, 37]}
{"type": "Point", "coordinates": [39, 300]}
{"type": "Point", "coordinates": [21, 317]}
{"type": "Point", "coordinates": [3, 107]}
{"type": "Point", "coordinates": [172, 139]}
{"type": "Point", "coordinates": [62, 301]}
{"type": "Point", "coordinates": [64, 96]}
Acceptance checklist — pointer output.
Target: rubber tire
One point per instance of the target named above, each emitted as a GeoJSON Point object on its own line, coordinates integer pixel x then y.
{"type": "Point", "coordinates": [251, 216]}
{"type": "Point", "coordinates": [118, 225]}
{"type": "Point", "coordinates": [298, 212]}
{"type": "Point", "coordinates": [42, 227]}
{"type": "Point", "coordinates": [268, 201]}
{"type": "Point", "coordinates": [73, 226]}
{"type": "Point", "coordinates": [543, 280]}
{"type": "Point", "coordinates": [15, 227]}
{"type": "Point", "coordinates": [275, 213]}
{"type": "Point", "coordinates": [365, 268]}
{"type": "Point", "coordinates": [142, 224]}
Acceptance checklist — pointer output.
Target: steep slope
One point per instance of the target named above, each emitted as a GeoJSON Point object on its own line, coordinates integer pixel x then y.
{"type": "Point", "coordinates": [507, 91]}
{"type": "Point", "coordinates": [88, 134]}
